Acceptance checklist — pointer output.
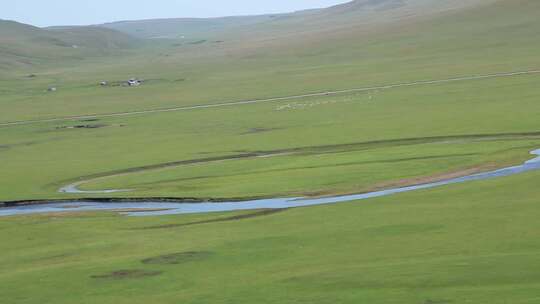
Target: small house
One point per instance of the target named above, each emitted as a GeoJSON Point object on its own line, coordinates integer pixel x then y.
{"type": "Point", "coordinates": [133, 82]}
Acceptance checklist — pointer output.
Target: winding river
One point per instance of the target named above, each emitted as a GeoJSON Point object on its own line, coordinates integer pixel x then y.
{"type": "Point", "coordinates": [160, 208]}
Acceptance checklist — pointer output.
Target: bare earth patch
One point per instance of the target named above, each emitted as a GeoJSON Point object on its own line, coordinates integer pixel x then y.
{"type": "Point", "coordinates": [136, 210]}
{"type": "Point", "coordinates": [407, 182]}
{"type": "Point", "coordinates": [265, 212]}
{"type": "Point", "coordinates": [127, 274]}
{"type": "Point", "coordinates": [435, 178]}
{"type": "Point", "coordinates": [178, 258]}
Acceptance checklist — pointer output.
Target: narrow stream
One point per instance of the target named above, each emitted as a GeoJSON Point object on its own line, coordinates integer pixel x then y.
{"type": "Point", "coordinates": [158, 208]}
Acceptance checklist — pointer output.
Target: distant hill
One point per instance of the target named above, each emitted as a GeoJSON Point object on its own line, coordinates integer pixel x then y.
{"type": "Point", "coordinates": [94, 37]}
{"type": "Point", "coordinates": [22, 44]}
{"type": "Point", "coordinates": [185, 27]}
{"type": "Point", "coordinates": [354, 13]}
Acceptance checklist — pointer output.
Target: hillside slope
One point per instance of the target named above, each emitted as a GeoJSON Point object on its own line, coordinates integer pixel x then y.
{"type": "Point", "coordinates": [499, 36]}
{"type": "Point", "coordinates": [22, 45]}
{"type": "Point", "coordinates": [354, 13]}
{"type": "Point", "coordinates": [185, 27]}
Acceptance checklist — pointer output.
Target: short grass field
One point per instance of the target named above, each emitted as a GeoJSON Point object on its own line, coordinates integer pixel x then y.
{"type": "Point", "coordinates": [469, 243]}
{"type": "Point", "coordinates": [331, 144]}
{"type": "Point", "coordinates": [475, 242]}
{"type": "Point", "coordinates": [471, 42]}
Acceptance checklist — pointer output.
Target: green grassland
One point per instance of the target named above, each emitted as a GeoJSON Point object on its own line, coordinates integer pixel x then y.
{"type": "Point", "coordinates": [459, 43]}
{"type": "Point", "coordinates": [468, 243]}
{"type": "Point", "coordinates": [462, 43]}
{"type": "Point", "coordinates": [474, 243]}
{"type": "Point", "coordinates": [482, 107]}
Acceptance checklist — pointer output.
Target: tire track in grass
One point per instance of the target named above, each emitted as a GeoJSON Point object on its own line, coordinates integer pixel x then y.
{"type": "Point", "coordinates": [73, 188]}
{"type": "Point", "coordinates": [273, 99]}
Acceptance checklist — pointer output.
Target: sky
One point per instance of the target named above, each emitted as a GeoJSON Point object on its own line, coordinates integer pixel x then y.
{"type": "Point", "coordinates": [77, 12]}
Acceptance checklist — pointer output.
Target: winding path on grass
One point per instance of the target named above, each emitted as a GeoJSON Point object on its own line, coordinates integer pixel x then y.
{"type": "Point", "coordinates": [273, 99]}
{"type": "Point", "coordinates": [74, 187]}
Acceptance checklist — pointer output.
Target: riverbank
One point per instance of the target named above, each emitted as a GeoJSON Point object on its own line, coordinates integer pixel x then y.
{"type": "Point", "coordinates": [161, 207]}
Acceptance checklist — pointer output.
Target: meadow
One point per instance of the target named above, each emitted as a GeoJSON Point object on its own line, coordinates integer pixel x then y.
{"type": "Point", "coordinates": [469, 243]}
{"type": "Point", "coordinates": [474, 243]}
{"type": "Point", "coordinates": [331, 142]}
{"type": "Point", "coordinates": [455, 44]}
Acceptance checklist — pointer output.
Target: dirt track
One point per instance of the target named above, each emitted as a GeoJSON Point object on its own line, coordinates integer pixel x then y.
{"type": "Point", "coordinates": [73, 188]}
{"type": "Point", "coordinates": [274, 99]}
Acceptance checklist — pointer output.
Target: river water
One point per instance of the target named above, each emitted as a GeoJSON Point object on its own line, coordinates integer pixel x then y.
{"type": "Point", "coordinates": [160, 208]}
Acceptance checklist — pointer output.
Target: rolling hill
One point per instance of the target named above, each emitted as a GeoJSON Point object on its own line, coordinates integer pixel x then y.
{"type": "Point", "coordinates": [355, 13]}
{"type": "Point", "coordinates": [185, 27]}
{"type": "Point", "coordinates": [22, 45]}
